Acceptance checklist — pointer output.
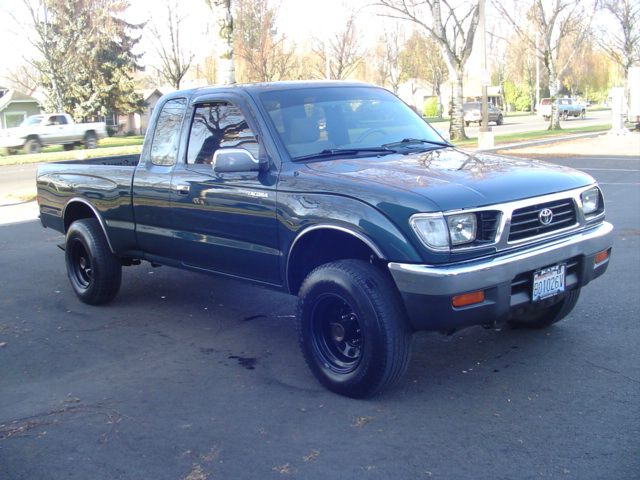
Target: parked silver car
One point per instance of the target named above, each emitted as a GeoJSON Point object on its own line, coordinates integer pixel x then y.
{"type": "Point", "coordinates": [473, 113]}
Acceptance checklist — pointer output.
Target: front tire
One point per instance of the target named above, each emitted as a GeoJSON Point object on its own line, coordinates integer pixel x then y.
{"type": "Point", "coordinates": [546, 317]}
{"type": "Point", "coordinates": [352, 328]}
{"type": "Point", "coordinates": [94, 272]}
{"type": "Point", "coordinates": [500, 120]}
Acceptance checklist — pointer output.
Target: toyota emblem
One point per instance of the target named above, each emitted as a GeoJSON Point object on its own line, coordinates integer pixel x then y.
{"type": "Point", "coordinates": [545, 216]}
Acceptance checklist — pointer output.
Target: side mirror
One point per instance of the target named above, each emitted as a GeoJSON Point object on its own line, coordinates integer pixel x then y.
{"type": "Point", "coordinates": [234, 160]}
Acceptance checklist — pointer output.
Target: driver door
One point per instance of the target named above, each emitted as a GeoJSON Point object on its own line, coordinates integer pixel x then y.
{"type": "Point", "coordinates": [226, 222]}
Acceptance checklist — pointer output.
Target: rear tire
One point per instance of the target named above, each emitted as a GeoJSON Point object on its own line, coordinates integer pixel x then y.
{"type": "Point", "coordinates": [352, 328]}
{"type": "Point", "coordinates": [94, 272]}
{"type": "Point", "coordinates": [500, 120]}
{"type": "Point", "coordinates": [33, 145]}
{"type": "Point", "coordinates": [90, 140]}
{"type": "Point", "coordinates": [583, 115]}
{"type": "Point", "coordinates": [546, 317]}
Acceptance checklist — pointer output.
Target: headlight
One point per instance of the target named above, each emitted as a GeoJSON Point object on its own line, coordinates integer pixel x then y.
{"type": "Point", "coordinates": [590, 200]}
{"type": "Point", "coordinates": [462, 228]}
{"type": "Point", "coordinates": [438, 232]}
{"type": "Point", "coordinates": [432, 230]}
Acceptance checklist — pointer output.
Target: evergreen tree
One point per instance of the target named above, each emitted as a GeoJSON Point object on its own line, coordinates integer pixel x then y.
{"type": "Point", "coordinates": [87, 60]}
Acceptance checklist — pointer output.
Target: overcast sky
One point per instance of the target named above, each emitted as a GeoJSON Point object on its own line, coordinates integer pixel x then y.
{"type": "Point", "coordinates": [300, 20]}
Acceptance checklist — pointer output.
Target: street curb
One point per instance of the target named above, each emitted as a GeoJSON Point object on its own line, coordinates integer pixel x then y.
{"type": "Point", "coordinates": [545, 141]}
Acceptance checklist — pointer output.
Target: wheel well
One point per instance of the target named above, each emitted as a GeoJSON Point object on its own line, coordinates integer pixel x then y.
{"type": "Point", "coordinates": [322, 246]}
{"type": "Point", "coordinates": [92, 132]}
{"type": "Point", "coordinates": [32, 137]}
{"type": "Point", "coordinates": [76, 211]}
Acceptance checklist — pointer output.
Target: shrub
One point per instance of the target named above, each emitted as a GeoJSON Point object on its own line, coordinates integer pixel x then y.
{"type": "Point", "coordinates": [430, 108]}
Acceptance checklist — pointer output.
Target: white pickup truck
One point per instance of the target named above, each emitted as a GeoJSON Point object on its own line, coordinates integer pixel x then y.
{"type": "Point", "coordinates": [51, 129]}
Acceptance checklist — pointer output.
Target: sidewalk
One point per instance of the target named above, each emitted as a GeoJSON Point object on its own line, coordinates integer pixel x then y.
{"type": "Point", "coordinates": [19, 212]}
{"type": "Point", "coordinates": [603, 144]}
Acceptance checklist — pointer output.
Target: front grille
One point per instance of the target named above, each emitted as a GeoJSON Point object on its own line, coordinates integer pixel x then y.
{"type": "Point", "coordinates": [488, 222]}
{"type": "Point", "coordinates": [525, 222]}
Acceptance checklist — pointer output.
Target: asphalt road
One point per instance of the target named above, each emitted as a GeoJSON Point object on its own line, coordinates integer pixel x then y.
{"type": "Point", "coordinates": [189, 377]}
{"type": "Point", "coordinates": [529, 123]}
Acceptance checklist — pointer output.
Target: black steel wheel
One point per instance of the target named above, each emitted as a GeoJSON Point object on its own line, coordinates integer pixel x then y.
{"type": "Point", "coordinates": [94, 272]}
{"type": "Point", "coordinates": [336, 334]}
{"type": "Point", "coordinates": [546, 316]}
{"type": "Point", "coordinates": [352, 328]}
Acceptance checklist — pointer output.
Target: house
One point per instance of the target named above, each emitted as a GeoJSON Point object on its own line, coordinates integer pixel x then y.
{"type": "Point", "coordinates": [16, 107]}
{"type": "Point", "coordinates": [135, 123]}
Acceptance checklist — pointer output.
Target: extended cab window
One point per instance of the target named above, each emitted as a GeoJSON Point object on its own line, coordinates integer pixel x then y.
{"type": "Point", "coordinates": [218, 125]}
{"type": "Point", "coordinates": [164, 146]}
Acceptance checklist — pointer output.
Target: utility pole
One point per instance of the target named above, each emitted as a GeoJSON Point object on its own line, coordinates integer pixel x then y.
{"type": "Point", "coordinates": [537, 73]}
{"type": "Point", "coordinates": [483, 79]}
{"type": "Point", "coordinates": [485, 136]}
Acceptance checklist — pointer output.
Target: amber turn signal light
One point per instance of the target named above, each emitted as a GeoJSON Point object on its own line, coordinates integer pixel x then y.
{"type": "Point", "coordinates": [601, 256]}
{"type": "Point", "coordinates": [468, 299]}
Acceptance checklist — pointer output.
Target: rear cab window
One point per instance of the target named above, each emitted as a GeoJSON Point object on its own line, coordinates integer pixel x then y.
{"type": "Point", "coordinates": [165, 142]}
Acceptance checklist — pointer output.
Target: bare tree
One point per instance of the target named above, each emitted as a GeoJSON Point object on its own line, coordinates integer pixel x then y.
{"type": "Point", "coordinates": [24, 78]}
{"type": "Point", "coordinates": [55, 49]}
{"type": "Point", "coordinates": [388, 53]}
{"type": "Point", "coordinates": [623, 45]}
{"type": "Point", "coordinates": [175, 62]}
{"type": "Point", "coordinates": [225, 68]}
{"type": "Point", "coordinates": [453, 28]}
{"type": "Point", "coordinates": [342, 54]}
{"type": "Point", "coordinates": [421, 60]}
{"type": "Point", "coordinates": [561, 32]}
{"type": "Point", "coordinates": [266, 53]}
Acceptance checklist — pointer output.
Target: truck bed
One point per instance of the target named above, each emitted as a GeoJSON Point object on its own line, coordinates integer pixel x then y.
{"type": "Point", "coordinates": [102, 183]}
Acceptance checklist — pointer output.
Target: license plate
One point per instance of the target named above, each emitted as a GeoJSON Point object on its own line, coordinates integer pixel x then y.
{"type": "Point", "coordinates": [548, 282]}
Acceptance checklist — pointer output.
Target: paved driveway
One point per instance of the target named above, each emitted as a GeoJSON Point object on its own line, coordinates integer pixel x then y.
{"type": "Point", "coordinates": [190, 377]}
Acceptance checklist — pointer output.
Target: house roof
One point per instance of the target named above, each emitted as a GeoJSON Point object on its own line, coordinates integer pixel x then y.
{"type": "Point", "coordinates": [13, 96]}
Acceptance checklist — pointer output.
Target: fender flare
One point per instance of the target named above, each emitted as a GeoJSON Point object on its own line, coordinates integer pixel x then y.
{"type": "Point", "coordinates": [101, 221]}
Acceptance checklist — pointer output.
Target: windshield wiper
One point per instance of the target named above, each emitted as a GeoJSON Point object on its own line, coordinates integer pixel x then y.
{"type": "Point", "coordinates": [330, 152]}
{"type": "Point", "coordinates": [412, 141]}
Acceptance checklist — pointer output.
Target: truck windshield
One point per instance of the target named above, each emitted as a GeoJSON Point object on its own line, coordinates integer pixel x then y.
{"type": "Point", "coordinates": [322, 121]}
{"type": "Point", "coordinates": [32, 120]}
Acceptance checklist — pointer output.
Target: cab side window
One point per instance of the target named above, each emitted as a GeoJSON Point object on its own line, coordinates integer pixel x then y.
{"type": "Point", "coordinates": [218, 125]}
{"type": "Point", "coordinates": [164, 146]}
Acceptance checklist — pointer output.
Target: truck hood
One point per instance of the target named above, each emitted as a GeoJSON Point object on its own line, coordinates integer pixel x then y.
{"type": "Point", "coordinates": [454, 179]}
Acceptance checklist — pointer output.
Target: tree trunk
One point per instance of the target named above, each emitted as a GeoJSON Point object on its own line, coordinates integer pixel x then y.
{"type": "Point", "coordinates": [226, 68]}
{"type": "Point", "coordinates": [456, 126]}
{"type": "Point", "coordinates": [554, 88]}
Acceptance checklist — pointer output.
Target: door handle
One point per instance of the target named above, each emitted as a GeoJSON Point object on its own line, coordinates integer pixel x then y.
{"type": "Point", "coordinates": [183, 189]}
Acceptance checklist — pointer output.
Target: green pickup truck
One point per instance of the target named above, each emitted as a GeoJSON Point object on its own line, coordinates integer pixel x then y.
{"type": "Point", "coordinates": [341, 194]}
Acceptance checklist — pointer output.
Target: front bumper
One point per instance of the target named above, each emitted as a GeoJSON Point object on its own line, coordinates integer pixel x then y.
{"type": "Point", "coordinates": [427, 289]}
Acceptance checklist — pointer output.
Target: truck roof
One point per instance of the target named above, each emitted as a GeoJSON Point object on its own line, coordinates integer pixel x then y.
{"type": "Point", "coordinates": [269, 86]}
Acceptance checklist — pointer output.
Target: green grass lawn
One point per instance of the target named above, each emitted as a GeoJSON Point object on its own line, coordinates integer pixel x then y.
{"type": "Point", "coordinates": [59, 155]}
{"type": "Point", "coordinates": [536, 135]}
